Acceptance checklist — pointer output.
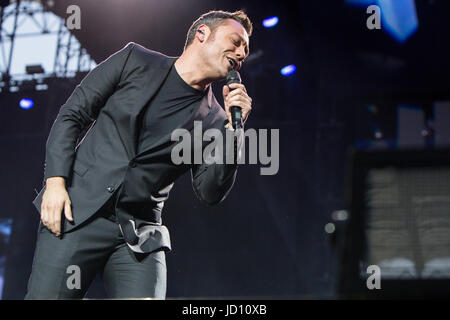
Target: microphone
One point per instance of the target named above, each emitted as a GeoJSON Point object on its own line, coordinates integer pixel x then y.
{"type": "Point", "coordinates": [236, 113]}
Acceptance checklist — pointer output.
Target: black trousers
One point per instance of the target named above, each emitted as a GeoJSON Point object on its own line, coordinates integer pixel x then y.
{"type": "Point", "coordinates": [63, 268]}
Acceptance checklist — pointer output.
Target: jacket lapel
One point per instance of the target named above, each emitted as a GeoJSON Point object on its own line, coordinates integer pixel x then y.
{"type": "Point", "coordinates": [151, 83]}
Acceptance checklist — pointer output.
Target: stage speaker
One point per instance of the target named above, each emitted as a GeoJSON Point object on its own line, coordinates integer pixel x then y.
{"type": "Point", "coordinates": [396, 240]}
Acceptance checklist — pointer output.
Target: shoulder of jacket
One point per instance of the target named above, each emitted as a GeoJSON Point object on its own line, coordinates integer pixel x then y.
{"type": "Point", "coordinates": [142, 52]}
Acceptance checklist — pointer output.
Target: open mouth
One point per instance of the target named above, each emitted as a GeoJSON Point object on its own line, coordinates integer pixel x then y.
{"type": "Point", "coordinates": [232, 63]}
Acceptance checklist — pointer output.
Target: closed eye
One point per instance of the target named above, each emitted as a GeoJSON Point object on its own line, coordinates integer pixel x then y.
{"type": "Point", "coordinates": [238, 41]}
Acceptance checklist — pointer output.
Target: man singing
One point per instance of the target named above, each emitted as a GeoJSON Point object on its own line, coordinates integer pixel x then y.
{"type": "Point", "coordinates": [102, 199]}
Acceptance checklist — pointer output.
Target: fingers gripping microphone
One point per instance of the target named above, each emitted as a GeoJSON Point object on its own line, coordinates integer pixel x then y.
{"type": "Point", "coordinates": [236, 113]}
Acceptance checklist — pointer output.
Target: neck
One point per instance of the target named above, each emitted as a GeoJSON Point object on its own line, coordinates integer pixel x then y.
{"type": "Point", "coordinates": [192, 70]}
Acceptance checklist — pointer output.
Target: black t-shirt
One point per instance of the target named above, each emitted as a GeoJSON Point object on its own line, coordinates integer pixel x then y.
{"type": "Point", "coordinates": [175, 102]}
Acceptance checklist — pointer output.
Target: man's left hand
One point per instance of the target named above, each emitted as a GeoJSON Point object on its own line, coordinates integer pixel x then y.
{"type": "Point", "coordinates": [238, 97]}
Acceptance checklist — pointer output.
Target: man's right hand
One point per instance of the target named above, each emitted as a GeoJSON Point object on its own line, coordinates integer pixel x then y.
{"type": "Point", "coordinates": [54, 200]}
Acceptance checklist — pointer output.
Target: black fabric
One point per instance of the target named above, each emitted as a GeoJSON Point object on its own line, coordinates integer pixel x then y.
{"type": "Point", "coordinates": [175, 102]}
{"type": "Point", "coordinates": [112, 100]}
{"type": "Point", "coordinates": [96, 247]}
{"type": "Point", "coordinates": [111, 168]}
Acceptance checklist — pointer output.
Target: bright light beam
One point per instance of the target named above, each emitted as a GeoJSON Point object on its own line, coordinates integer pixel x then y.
{"type": "Point", "coordinates": [26, 103]}
{"type": "Point", "coordinates": [270, 22]}
{"type": "Point", "coordinates": [288, 70]}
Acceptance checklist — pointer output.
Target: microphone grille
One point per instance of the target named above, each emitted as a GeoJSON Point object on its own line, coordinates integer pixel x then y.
{"type": "Point", "coordinates": [233, 77]}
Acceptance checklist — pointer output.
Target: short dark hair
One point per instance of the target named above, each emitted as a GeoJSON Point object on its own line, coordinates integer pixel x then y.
{"type": "Point", "coordinates": [215, 18]}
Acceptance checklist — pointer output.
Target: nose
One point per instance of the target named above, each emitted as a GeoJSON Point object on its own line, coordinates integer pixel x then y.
{"type": "Point", "coordinates": [240, 53]}
{"type": "Point", "coordinates": [240, 59]}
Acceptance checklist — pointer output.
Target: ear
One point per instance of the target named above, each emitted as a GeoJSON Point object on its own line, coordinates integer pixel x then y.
{"type": "Point", "coordinates": [202, 32]}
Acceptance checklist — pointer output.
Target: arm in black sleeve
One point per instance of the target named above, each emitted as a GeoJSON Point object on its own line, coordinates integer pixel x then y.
{"type": "Point", "coordinates": [213, 182]}
{"type": "Point", "coordinates": [80, 110]}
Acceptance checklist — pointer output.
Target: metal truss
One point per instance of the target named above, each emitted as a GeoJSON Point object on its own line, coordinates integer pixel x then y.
{"type": "Point", "coordinates": [26, 19]}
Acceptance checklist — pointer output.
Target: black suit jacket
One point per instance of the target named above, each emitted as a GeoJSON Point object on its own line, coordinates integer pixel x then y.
{"type": "Point", "coordinates": [111, 99]}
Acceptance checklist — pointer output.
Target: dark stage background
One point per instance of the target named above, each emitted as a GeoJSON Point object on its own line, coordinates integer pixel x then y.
{"type": "Point", "coordinates": [267, 239]}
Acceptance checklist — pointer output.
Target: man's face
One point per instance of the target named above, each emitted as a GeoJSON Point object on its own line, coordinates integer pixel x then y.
{"type": "Point", "coordinates": [226, 48]}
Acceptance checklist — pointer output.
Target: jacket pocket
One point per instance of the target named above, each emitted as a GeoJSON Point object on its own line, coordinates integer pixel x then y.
{"type": "Point", "coordinates": [79, 168]}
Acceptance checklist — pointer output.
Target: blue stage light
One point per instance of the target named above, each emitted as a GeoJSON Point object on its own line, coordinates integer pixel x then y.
{"type": "Point", "coordinates": [270, 22]}
{"type": "Point", "coordinates": [26, 103]}
{"type": "Point", "coordinates": [398, 17]}
{"type": "Point", "coordinates": [288, 70]}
